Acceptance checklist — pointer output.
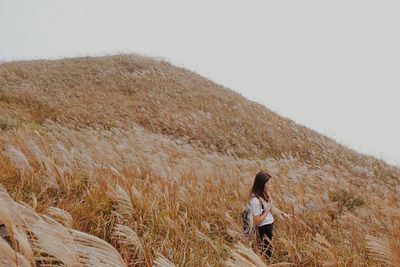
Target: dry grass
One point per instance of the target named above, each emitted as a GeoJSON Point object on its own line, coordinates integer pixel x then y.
{"type": "Point", "coordinates": [157, 162]}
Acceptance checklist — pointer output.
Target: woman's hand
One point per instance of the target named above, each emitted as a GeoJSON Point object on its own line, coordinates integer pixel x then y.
{"type": "Point", "coordinates": [286, 216]}
{"type": "Point", "coordinates": [268, 209]}
{"type": "Point", "coordinates": [258, 219]}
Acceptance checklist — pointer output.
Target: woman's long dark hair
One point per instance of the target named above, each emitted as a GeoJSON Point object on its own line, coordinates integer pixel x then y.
{"type": "Point", "coordinates": [259, 183]}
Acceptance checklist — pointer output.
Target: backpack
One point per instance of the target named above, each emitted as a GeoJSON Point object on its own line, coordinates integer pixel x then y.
{"type": "Point", "coordinates": [249, 226]}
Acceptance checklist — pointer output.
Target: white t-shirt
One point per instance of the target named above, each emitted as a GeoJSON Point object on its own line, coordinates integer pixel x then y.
{"type": "Point", "coordinates": [257, 210]}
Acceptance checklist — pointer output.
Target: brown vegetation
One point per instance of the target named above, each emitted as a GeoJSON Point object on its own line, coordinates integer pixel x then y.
{"type": "Point", "coordinates": [157, 161]}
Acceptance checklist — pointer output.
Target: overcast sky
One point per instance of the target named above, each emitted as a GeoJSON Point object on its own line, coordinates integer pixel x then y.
{"type": "Point", "coordinates": [333, 66]}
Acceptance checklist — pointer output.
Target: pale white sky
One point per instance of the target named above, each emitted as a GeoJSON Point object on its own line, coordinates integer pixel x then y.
{"type": "Point", "coordinates": [333, 66]}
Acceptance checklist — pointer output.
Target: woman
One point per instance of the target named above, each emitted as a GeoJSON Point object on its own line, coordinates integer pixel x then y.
{"type": "Point", "coordinates": [262, 208]}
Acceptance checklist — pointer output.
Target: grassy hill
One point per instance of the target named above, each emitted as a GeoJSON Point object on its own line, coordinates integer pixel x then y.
{"type": "Point", "coordinates": [158, 161]}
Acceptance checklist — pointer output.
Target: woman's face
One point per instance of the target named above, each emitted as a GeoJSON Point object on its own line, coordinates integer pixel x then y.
{"type": "Point", "coordinates": [268, 185]}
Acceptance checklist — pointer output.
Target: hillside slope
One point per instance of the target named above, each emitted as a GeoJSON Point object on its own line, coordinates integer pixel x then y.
{"type": "Point", "coordinates": [123, 148]}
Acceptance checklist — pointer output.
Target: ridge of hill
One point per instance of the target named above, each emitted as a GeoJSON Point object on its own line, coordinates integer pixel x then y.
{"type": "Point", "coordinates": [123, 147]}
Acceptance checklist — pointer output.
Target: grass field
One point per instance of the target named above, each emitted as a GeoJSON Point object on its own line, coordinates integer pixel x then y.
{"type": "Point", "coordinates": [127, 160]}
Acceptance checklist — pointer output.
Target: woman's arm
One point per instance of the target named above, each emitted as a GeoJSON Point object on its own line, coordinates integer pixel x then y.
{"type": "Point", "coordinates": [258, 219]}
{"type": "Point", "coordinates": [277, 212]}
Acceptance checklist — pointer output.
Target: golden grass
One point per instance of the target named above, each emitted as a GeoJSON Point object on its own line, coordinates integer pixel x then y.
{"type": "Point", "coordinates": [158, 161]}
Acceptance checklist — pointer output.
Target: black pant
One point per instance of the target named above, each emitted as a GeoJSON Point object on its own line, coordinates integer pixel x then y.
{"type": "Point", "coordinates": [263, 232]}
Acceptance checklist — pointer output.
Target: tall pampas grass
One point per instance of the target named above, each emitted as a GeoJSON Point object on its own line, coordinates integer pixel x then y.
{"type": "Point", "coordinates": [127, 236]}
{"type": "Point", "coordinates": [123, 200]}
{"type": "Point", "coordinates": [329, 251]}
{"type": "Point", "coordinates": [17, 158]}
{"type": "Point", "coordinates": [125, 160]}
{"type": "Point", "coordinates": [60, 215]}
{"type": "Point", "coordinates": [162, 261]}
{"type": "Point", "coordinates": [40, 239]}
{"type": "Point", "coordinates": [385, 251]}
{"type": "Point", "coordinates": [242, 256]}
